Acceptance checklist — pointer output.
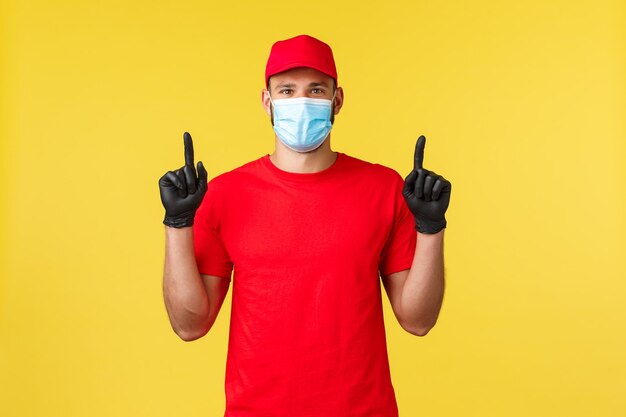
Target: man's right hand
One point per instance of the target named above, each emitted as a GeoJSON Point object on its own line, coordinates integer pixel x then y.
{"type": "Point", "coordinates": [182, 191]}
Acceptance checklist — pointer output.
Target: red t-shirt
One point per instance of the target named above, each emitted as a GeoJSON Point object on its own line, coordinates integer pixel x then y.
{"type": "Point", "coordinates": [307, 335]}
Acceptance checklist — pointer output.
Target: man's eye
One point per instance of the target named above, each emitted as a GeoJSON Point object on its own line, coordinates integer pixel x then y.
{"type": "Point", "coordinates": [285, 91]}
{"type": "Point", "coordinates": [317, 91]}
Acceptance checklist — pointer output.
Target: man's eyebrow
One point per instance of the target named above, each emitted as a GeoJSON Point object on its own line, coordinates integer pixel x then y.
{"type": "Point", "coordinates": [317, 84]}
{"type": "Point", "coordinates": [289, 85]}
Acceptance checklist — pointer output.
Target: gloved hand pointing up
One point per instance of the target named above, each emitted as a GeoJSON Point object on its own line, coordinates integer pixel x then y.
{"type": "Point", "coordinates": [182, 191]}
{"type": "Point", "coordinates": [427, 194]}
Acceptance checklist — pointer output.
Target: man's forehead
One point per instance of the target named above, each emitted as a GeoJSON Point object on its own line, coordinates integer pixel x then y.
{"type": "Point", "coordinates": [301, 75]}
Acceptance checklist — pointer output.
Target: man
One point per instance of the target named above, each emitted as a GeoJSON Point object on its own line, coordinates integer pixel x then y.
{"type": "Point", "coordinates": [308, 232]}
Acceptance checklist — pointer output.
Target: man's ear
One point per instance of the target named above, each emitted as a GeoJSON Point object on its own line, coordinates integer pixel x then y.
{"type": "Point", "coordinates": [265, 101]}
{"type": "Point", "coordinates": [338, 99]}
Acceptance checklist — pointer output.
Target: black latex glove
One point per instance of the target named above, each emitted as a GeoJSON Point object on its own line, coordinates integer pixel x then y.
{"type": "Point", "coordinates": [182, 191]}
{"type": "Point", "coordinates": [427, 194]}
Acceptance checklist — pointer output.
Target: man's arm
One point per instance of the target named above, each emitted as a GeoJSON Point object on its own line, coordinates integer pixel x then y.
{"type": "Point", "coordinates": [416, 294]}
{"type": "Point", "coordinates": [191, 310]}
{"type": "Point", "coordinates": [185, 298]}
{"type": "Point", "coordinates": [192, 300]}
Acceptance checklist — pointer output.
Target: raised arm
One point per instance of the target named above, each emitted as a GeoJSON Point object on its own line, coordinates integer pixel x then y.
{"type": "Point", "coordinates": [417, 294]}
{"type": "Point", "coordinates": [186, 299]}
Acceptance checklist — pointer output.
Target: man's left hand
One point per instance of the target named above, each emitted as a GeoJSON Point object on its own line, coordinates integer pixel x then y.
{"type": "Point", "coordinates": [427, 194]}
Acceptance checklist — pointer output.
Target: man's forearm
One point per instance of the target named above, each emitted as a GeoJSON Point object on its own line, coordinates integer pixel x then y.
{"type": "Point", "coordinates": [423, 289]}
{"type": "Point", "coordinates": [184, 293]}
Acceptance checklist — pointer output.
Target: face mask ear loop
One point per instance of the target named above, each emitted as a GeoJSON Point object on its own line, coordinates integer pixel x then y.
{"type": "Point", "coordinates": [271, 107]}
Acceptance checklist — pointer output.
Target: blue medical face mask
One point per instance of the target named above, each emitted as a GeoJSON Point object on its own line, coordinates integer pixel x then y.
{"type": "Point", "coordinates": [302, 123]}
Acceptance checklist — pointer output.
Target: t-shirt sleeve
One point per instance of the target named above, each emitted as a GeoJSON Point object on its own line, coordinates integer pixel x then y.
{"type": "Point", "coordinates": [211, 255]}
{"type": "Point", "coordinates": [399, 250]}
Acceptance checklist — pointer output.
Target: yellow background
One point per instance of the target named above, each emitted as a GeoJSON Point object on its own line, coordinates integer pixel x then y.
{"type": "Point", "coordinates": [523, 106]}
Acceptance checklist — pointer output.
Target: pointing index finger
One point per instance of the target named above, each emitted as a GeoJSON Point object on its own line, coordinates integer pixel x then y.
{"type": "Point", "coordinates": [188, 149]}
{"type": "Point", "coordinates": [419, 153]}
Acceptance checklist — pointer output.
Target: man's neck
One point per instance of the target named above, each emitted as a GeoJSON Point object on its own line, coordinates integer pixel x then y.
{"type": "Point", "coordinates": [303, 162]}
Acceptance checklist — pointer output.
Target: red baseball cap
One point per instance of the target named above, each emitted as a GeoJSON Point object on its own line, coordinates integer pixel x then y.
{"type": "Point", "coordinates": [300, 51]}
